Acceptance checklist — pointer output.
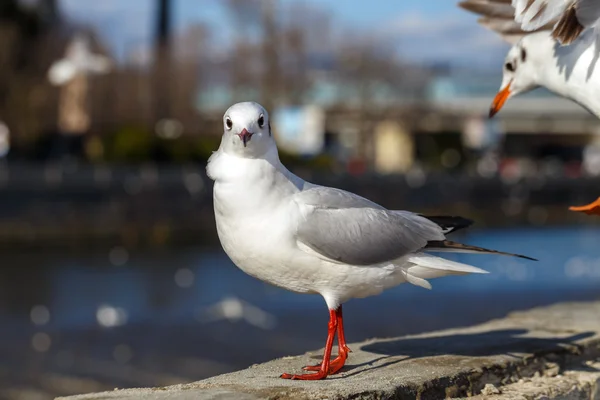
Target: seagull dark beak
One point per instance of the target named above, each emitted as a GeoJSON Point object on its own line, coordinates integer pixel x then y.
{"type": "Point", "coordinates": [500, 99]}
{"type": "Point", "coordinates": [245, 136]}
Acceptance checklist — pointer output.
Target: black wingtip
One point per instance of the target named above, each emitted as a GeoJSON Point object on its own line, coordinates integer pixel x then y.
{"type": "Point", "coordinates": [448, 245]}
{"type": "Point", "coordinates": [526, 257]}
{"type": "Point", "coordinates": [568, 28]}
{"type": "Point", "coordinates": [451, 222]}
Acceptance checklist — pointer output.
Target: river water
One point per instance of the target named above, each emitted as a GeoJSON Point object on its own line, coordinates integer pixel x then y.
{"type": "Point", "coordinates": [73, 323]}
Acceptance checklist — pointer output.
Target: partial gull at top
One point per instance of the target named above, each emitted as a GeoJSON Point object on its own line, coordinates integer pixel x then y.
{"type": "Point", "coordinates": [536, 59]}
{"type": "Point", "coordinates": [537, 28]}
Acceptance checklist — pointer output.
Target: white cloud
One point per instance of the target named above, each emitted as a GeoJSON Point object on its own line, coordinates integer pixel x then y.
{"type": "Point", "coordinates": [449, 39]}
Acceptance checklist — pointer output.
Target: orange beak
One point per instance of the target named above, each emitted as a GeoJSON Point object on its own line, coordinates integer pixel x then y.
{"type": "Point", "coordinates": [590, 209]}
{"type": "Point", "coordinates": [500, 99]}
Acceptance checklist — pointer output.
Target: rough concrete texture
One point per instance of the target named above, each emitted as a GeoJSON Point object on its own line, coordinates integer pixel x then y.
{"type": "Point", "coordinates": [540, 353]}
{"type": "Point", "coordinates": [580, 381]}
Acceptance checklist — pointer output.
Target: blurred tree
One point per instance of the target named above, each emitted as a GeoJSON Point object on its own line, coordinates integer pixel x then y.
{"type": "Point", "coordinates": [378, 79]}
{"type": "Point", "coordinates": [274, 47]}
{"type": "Point", "coordinates": [24, 57]}
{"type": "Point", "coordinates": [294, 79]}
{"type": "Point", "coordinates": [162, 60]}
{"type": "Point", "coordinates": [305, 49]}
{"type": "Point", "coordinates": [281, 51]}
{"type": "Point", "coordinates": [243, 61]}
{"type": "Point", "coordinates": [271, 68]}
{"type": "Point", "coordinates": [190, 67]}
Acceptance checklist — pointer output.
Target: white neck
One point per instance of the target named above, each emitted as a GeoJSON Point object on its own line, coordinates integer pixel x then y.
{"type": "Point", "coordinates": [224, 167]}
{"type": "Point", "coordinates": [573, 71]}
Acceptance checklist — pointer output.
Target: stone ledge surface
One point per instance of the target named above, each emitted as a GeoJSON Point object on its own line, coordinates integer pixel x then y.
{"type": "Point", "coordinates": [578, 383]}
{"type": "Point", "coordinates": [540, 353]}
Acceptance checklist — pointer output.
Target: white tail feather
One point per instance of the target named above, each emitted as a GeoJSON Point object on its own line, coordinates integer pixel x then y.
{"type": "Point", "coordinates": [442, 264]}
{"type": "Point", "coordinates": [415, 280]}
{"type": "Point", "coordinates": [425, 267]}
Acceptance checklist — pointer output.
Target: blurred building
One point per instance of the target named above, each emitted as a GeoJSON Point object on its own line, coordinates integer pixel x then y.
{"type": "Point", "coordinates": [537, 125]}
{"type": "Point", "coordinates": [378, 113]}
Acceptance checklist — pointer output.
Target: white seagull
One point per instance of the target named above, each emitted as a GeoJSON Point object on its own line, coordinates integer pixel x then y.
{"type": "Point", "coordinates": [78, 59]}
{"type": "Point", "coordinates": [314, 239]}
{"type": "Point", "coordinates": [555, 45]}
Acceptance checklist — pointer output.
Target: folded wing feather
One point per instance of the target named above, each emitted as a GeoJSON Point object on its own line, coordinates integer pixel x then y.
{"type": "Point", "coordinates": [347, 228]}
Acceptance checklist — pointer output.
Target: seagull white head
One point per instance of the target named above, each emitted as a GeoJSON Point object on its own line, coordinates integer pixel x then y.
{"type": "Point", "coordinates": [247, 130]}
{"type": "Point", "coordinates": [518, 75]}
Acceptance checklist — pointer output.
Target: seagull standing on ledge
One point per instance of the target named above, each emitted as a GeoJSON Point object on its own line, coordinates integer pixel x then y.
{"type": "Point", "coordinates": [552, 47]}
{"type": "Point", "coordinates": [314, 239]}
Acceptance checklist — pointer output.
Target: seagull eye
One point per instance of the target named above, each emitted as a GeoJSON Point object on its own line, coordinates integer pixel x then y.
{"type": "Point", "coordinates": [261, 121]}
{"type": "Point", "coordinates": [510, 67]}
{"type": "Point", "coordinates": [228, 123]}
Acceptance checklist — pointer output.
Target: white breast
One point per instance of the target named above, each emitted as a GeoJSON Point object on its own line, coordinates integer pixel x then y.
{"type": "Point", "coordinates": [571, 71]}
{"type": "Point", "coordinates": [256, 222]}
{"type": "Point", "coordinates": [255, 216]}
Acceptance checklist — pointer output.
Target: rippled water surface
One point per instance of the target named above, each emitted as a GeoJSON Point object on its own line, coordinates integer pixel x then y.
{"type": "Point", "coordinates": [77, 323]}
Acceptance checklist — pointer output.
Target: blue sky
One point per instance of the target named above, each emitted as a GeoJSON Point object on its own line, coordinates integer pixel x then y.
{"type": "Point", "coordinates": [420, 30]}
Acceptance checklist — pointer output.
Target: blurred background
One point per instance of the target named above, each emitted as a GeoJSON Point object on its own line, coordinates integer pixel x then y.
{"type": "Point", "coordinates": [111, 274]}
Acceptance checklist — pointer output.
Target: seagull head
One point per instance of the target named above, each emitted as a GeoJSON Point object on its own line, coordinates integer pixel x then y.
{"type": "Point", "coordinates": [518, 75]}
{"type": "Point", "coordinates": [247, 130]}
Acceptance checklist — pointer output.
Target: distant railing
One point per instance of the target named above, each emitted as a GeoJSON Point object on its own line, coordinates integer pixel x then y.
{"type": "Point", "coordinates": [82, 205]}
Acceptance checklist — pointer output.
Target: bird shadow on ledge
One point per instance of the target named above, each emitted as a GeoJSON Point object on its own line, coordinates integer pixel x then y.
{"type": "Point", "coordinates": [510, 342]}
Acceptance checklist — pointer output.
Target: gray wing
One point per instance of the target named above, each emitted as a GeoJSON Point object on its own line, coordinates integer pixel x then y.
{"type": "Point", "coordinates": [499, 16]}
{"type": "Point", "coordinates": [326, 197]}
{"type": "Point", "coordinates": [347, 228]}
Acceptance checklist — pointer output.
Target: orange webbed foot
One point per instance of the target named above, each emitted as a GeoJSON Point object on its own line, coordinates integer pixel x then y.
{"type": "Point", "coordinates": [590, 209]}
{"type": "Point", "coordinates": [306, 377]}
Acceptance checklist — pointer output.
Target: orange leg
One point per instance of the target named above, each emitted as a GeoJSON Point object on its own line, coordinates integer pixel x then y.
{"type": "Point", "coordinates": [323, 370]}
{"type": "Point", "coordinates": [590, 209]}
{"type": "Point", "coordinates": [343, 349]}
